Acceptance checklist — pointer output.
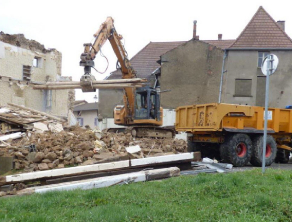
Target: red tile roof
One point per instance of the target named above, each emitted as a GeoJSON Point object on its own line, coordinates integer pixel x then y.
{"type": "Point", "coordinates": [145, 61]}
{"type": "Point", "coordinates": [262, 32]}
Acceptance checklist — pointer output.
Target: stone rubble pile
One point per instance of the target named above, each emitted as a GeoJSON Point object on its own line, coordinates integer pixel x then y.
{"type": "Point", "coordinates": [43, 144]}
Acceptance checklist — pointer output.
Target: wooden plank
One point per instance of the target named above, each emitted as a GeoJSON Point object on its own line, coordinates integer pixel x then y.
{"type": "Point", "coordinates": [94, 86]}
{"type": "Point", "coordinates": [65, 171]}
{"type": "Point", "coordinates": [36, 111]}
{"type": "Point", "coordinates": [100, 182]}
{"type": "Point", "coordinates": [162, 159]}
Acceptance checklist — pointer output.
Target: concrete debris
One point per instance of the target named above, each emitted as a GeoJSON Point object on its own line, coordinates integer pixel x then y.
{"type": "Point", "coordinates": [133, 149]}
{"type": "Point", "coordinates": [40, 127]}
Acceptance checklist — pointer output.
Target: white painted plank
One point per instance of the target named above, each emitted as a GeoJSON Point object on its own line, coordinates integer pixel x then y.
{"type": "Point", "coordinates": [11, 136]}
{"type": "Point", "coordinates": [66, 171]}
{"type": "Point", "coordinates": [162, 159]}
{"type": "Point", "coordinates": [4, 110]}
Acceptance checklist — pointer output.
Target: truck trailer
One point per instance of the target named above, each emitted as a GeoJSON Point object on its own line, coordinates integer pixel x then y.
{"type": "Point", "coordinates": [234, 133]}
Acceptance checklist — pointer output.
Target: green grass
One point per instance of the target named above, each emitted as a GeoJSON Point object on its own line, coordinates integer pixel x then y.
{"type": "Point", "coordinates": [241, 196]}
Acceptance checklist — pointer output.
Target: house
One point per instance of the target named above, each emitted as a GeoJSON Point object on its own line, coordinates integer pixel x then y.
{"type": "Point", "coordinates": [87, 114]}
{"type": "Point", "coordinates": [195, 79]}
{"type": "Point", "coordinates": [25, 63]}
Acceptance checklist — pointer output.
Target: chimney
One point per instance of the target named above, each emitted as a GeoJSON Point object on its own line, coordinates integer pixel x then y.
{"type": "Point", "coordinates": [219, 36]}
{"type": "Point", "coordinates": [281, 24]}
{"type": "Point", "coordinates": [195, 36]}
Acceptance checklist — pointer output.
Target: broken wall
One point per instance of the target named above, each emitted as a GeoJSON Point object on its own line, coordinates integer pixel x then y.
{"type": "Point", "coordinates": [18, 54]}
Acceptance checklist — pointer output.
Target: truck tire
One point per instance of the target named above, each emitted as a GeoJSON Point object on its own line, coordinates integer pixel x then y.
{"type": "Point", "coordinates": [282, 156]}
{"type": "Point", "coordinates": [237, 149]}
{"type": "Point", "coordinates": [257, 155]}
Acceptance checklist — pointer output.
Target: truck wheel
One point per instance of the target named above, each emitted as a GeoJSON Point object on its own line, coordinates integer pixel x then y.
{"type": "Point", "coordinates": [236, 149]}
{"type": "Point", "coordinates": [282, 156]}
{"type": "Point", "coordinates": [257, 155]}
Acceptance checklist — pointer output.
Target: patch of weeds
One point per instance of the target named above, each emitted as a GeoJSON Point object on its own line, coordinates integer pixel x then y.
{"type": "Point", "coordinates": [279, 177]}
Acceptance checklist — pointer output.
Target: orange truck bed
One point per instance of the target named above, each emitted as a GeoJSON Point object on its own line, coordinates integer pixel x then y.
{"type": "Point", "coordinates": [220, 116]}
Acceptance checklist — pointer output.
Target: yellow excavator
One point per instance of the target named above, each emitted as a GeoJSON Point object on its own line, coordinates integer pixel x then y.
{"type": "Point", "coordinates": [141, 110]}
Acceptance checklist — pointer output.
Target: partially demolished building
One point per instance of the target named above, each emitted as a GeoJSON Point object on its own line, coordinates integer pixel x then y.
{"type": "Point", "coordinates": [24, 63]}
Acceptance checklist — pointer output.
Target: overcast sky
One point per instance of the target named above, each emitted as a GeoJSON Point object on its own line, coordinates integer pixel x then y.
{"type": "Point", "coordinates": [66, 25]}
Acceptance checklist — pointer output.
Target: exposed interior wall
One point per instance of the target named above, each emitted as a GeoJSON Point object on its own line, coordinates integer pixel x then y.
{"type": "Point", "coordinates": [15, 88]}
{"type": "Point", "coordinates": [108, 100]}
{"type": "Point", "coordinates": [243, 65]}
{"type": "Point", "coordinates": [192, 72]}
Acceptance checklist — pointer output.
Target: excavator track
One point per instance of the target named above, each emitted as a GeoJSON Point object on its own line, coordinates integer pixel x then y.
{"type": "Point", "coordinates": [147, 131]}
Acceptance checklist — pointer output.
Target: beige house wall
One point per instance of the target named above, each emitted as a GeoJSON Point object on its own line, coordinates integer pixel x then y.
{"type": "Point", "coordinates": [88, 117]}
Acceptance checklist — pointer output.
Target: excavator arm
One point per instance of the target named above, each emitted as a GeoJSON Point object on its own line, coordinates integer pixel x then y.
{"type": "Point", "coordinates": [106, 32]}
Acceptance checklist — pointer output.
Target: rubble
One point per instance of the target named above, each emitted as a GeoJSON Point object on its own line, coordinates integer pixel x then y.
{"type": "Point", "coordinates": [47, 144]}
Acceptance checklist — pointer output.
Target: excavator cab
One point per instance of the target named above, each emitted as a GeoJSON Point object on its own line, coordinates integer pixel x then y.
{"type": "Point", "coordinates": [147, 104]}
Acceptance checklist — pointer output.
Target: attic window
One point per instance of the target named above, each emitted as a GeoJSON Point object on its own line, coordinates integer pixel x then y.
{"type": "Point", "coordinates": [37, 62]}
{"type": "Point", "coordinates": [261, 57]}
{"type": "Point", "coordinates": [26, 73]}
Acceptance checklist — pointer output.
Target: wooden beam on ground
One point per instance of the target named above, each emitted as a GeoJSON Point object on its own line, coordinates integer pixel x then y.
{"type": "Point", "coordinates": [36, 111]}
{"type": "Point", "coordinates": [94, 86]}
{"type": "Point", "coordinates": [146, 175]}
{"type": "Point", "coordinates": [145, 162]}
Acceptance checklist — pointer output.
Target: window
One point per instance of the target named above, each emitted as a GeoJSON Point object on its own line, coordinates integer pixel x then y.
{"type": "Point", "coordinates": [48, 98]}
{"type": "Point", "coordinates": [261, 57]}
{"type": "Point", "coordinates": [26, 73]}
{"type": "Point", "coordinates": [80, 121]}
{"type": "Point", "coordinates": [37, 62]}
{"type": "Point", "coordinates": [243, 88]}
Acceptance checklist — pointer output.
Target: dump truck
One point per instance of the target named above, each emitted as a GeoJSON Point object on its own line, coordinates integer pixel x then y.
{"type": "Point", "coordinates": [234, 133]}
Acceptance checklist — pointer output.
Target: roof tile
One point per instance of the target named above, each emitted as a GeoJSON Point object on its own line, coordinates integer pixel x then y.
{"type": "Point", "coordinates": [262, 32]}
